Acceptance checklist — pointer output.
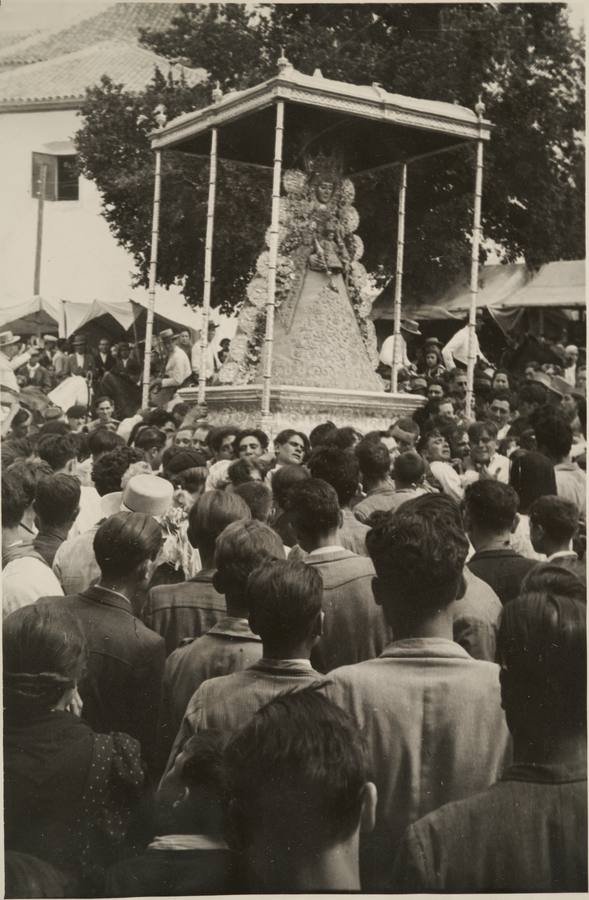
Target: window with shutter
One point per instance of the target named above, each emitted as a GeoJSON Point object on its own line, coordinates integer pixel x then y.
{"type": "Point", "coordinates": [61, 181]}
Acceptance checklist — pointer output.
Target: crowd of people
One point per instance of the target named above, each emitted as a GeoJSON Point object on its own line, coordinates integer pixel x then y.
{"type": "Point", "coordinates": [320, 662]}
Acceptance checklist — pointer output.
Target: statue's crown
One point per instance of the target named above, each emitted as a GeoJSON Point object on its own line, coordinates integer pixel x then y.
{"type": "Point", "coordinates": [324, 165]}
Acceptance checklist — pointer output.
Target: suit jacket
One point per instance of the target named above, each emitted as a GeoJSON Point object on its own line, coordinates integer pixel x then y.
{"type": "Point", "coordinates": [102, 367]}
{"type": "Point", "coordinates": [88, 365]}
{"type": "Point", "coordinates": [121, 690]}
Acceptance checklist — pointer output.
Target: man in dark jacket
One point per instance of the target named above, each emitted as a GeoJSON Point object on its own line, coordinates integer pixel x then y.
{"type": "Point", "coordinates": [122, 686]}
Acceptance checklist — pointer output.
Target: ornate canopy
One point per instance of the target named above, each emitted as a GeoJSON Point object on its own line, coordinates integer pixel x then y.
{"type": "Point", "coordinates": [373, 126]}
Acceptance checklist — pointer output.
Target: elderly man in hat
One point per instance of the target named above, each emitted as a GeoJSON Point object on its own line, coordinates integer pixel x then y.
{"type": "Point", "coordinates": [409, 329]}
{"type": "Point", "coordinates": [81, 362]}
{"type": "Point", "coordinates": [455, 352]}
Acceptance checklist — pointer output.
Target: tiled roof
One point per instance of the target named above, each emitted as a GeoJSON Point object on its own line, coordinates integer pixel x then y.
{"type": "Point", "coordinates": [8, 39]}
{"type": "Point", "coordinates": [120, 21]}
{"type": "Point", "coordinates": [68, 76]}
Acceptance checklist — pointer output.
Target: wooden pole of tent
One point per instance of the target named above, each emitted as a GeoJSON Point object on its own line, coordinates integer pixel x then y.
{"type": "Point", "coordinates": [206, 297]}
{"type": "Point", "coordinates": [155, 224]}
{"type": "Point", "coordinates": [273, 259]}
{"type": "Point", "coordinates": [474, 280]}
{"type": "Point", "coordinates": [39, 243]}
{"type": "Point", "coordinates": [397, 361]}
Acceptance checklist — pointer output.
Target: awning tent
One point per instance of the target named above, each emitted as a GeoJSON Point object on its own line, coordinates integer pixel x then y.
{"type": "Point", "coordinates": [64, 317]}
{"type": "Point", "coordinates": [502, 288]}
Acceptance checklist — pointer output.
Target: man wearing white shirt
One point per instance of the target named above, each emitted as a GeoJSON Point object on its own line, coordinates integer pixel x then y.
{"type": "Point", "coordinates": [456, 350]}
{"type": "Point", "coordinates": [212, 364]}
{"type": "Point", "coordinates": [177, 369]}
{"type": "Point", "coordinates": [435, 449]}
{"type": "Point", "coordinates": [483, 440]}
{"type": "Point", "coordinates": [408, 327]}
{"type": "Point", "coordinates": [572, 358]}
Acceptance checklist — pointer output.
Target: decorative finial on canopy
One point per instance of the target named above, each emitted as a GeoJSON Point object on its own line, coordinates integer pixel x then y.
{"type": "Point", "coordinates": [160, 115]}
{"type": "Point", "coordinates": [480, 108]}
{"type": "Point", "coordinates": [283, 62]}
{"type": "Point", "coordinates": [317, 73]}
{"type": "Point", "coordinates": [217, 92]}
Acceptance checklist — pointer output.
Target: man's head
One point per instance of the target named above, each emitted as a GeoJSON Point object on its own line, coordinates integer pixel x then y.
{"type": "Point", "coordinates": [435, 390]}
{"type": "Point", "coordinates": [200, 436]}
{"type": "Point", "coordinates": [57, 502]}
{"type": "Point", "coordinates": [314, 512]}
{"type": "Point", "coordinates": [568, 405]}
{"type": "Point", "coordinates": [103, 345]}
{"type": "Point", "coordinates": [406, 434]}
{"type": "Point", "coordinates": [190, 797]}
{"type": "Point", "coordinates": [211, 513]}
{"type": "Point", "coordinates": [483, 438]}
{"type": "Point", "coordinates": [446, 410]}
{"type": "Point", "coordinates": [530, 397]}
{"type": "Point", "coordinates": [126, 546]}
{"type": "Point", "coordinates": [571, 354]}
{"type": "Point", "coordinates": [434, 447]}
{"type": "Point", "coordinates": [251, 443]}
{"type": "Point", "coordinates": [542, 651]}
{"type": "Point", "coordinates": [553, 524]}
{"type": "Point", "coordinates": [152, 442]}
{"type": "Point", "coordinates": [502, 405]}
{"type": "Point", "coordinates": [102, 441]}
{"type": "Point", "coordinates": [240, 548]}
{"type": "Point", "coordinates": [298, 786]}
{"type": "Point", "coordinates": [419, 556]}
{"type": "Point", "coordinates": [104, 409]}
{"type": "Point", "coordinates": [61, 452]}
{"type": "Point", "coordinates": [283, 480]}
{"type": "Point", "coordinates": [375, 462]}
{"type": "Point", "coordinates": [221, 441]}
{"type": "Point", "coordinates": [183, 437]}
{"type": "Point", "coordinates": [554, 436]}
{"type": "Point", "coordinates": [339, 468]}
{"type": "Point", "coordinates": [501, 380]}
{"type": "Point", "coordinates": [124, 351]}
{"type": "Point", "coordinates": [290, 447]}
{"type": "Point", "coordinates": [458, 384]}
{"type": "Point", "coordinates": [284, 599]}
{"type": "Point", "coordinates": [459, 442]}
{"type": "Point", "coordinates": [76, 417]}
{"type": "Point", "coordinates": [14, 501]}
{"type": "Point", "coordinates": [409, 470]}
{"type": "Point", "coordinates": [490, 510]}
{"type": "Point", "coordinates": [258, 497]}
{"type": "Point", "coordinates": [109, 468]}
{"type": "Point", "coordinates": [324, 433]}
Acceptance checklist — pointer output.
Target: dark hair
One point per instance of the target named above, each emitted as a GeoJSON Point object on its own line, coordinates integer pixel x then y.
{"type": "Point", "coordinates": [542, 643]}
{"type": "Point", "coordinates": [252, 432]}
{"type": "Point", "coordinates": [124, 541]}
{"type": "Point", "coordinates": [217, 436]}
{"type": "Point", "coordinates": [491, 505]}
{"type": "Point", "coordinates": [287, 433]}
{"type": "Point", "coordinates": [157, 418]}
{"type": "Point", "coordinates": [76, 412]}
{"type": "Point", "coordinates": [241, 471]}
{"type": "Point", "coordinates": [16, 449]}
{"type": "Point", "coordinates": [324, 433]}
{"type": "Point", "coordinates": [192, 480]}
{"type": "Point", "coordinates": [551, 578]}
{"type": "Point", "coordinates": [477, 429]}
{"type": "Point", "coordinates": [406, 424]}
{"type": "Point", "coordinates": [28, 475]}
{"type": "Point", "coordinates": [101, 400]}
{"type": "Point", "coordinates": [109, 469]}
{"type": "Point", "coordinates": [346, 438]}
{"type": "Point", "coordinates": [44, 655]}
{"type": "Point", "coordinates": [313, 506]}
{"type": "Point", "coordinates": [180, 409]}
{"type": "Point", "coordinates": [299, 760]}
{"type": "Point", "coordinates": [339, 468]}
{"type": "Point", "coordinates": [284, 479]}
{"type": "Point", "coordinates": [558, 517]}
{"type": "Point", "coordinates": [258, 497]}
{"type": "Point", "coordinates": [210, 514]}
{"type": "Point", "coordinates": [419, 554]}
{"type": "Point", "coordinates": [531, 476]}
{"type": "Point", "coordinates": [374, 460]}
{"type": "Point", "coordinates": [409, 468]}
{"type": "Point", "coordinates": [57, 500]}
{"type": "Point", "coordinates": [28, 876]}
{"type": "Point", "coordinates": [177, 459]}
{"type": "Point", "coordinates": [502, 372]}
{"type": "Point", "coordinates": [14, 501]}
{"type": "Point", "coordinates": [241, 547]}
{"type": "Point", "coordinates": [103, 440]}
{"type": "Point", "coordinates": [53, 428]}
{"type": "Point", "coordinates": [284, 598]}
{"type": "Point", "coordinates": [553, 433]}
{"type": "Point", "coordinates": [150, 438]}
{"type": "Point", "coordinates": [58, 450]}
{"type": "Point", "coordinates": [531, 393]}
{"type": "Point", "coordinates": [504, 396]}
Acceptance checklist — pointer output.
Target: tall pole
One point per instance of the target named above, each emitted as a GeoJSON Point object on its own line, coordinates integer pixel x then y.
{"type": "Point", "coordinates": [270, 302]}
{"type": "Point", "coordinates": [206, 297]}
{"type": "Point", "coordinates": [39, 244]}
{"type": "Point", "coordinates": [155, 225]}
{"type": "Point", "coordinates": [474, 280]}
{"type": "Point", "coordinates": [399, 280]}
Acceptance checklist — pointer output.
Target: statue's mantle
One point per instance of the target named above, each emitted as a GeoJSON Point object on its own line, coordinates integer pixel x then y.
{"type": "Point", "coordinates": [304, 407]}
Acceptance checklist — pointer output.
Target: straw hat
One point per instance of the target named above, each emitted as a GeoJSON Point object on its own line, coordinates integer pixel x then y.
{"type": "Point", "coordinates": [410, 326]}
{"type": "Point", "coordinates": [148, 494]}
{"type": "Point", "coordinates": [7, 338]}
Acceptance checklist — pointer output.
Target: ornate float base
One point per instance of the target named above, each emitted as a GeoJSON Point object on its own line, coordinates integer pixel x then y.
{"type": "Point", "coordinates": [303, 407]}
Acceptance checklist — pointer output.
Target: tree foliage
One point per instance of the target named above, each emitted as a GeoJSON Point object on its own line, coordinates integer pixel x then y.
{"type": "Point", "coordinates": [522, 58]}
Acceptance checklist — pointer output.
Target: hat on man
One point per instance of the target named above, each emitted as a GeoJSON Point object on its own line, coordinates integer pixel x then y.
{"type": "Point", "coordinates": [410, 326]}
{"type": "Point", "coordinates": [7, 338]}
{"type": "Point", "coordinates": [148, 494]}
{"type": "Point", "coordinates": [432, 340]}
{"type": "Point", "coordinates": [186, 459]}
{"type": "Point", "coordinates": [50, 337]}
{"type": "Point", "coordinates": [79, 339]}
{"type": "Point", "coordinates": [543, 379]}
{"type": "Point", "coordinates": [418, 384]}
{"type": "Point", "coordinates": [167, 334]}
{"type": "Point", "coordinates": [52, 413]}
{"type": "Point", "coordinates": [572, 350]}
{"type": "Point", "coordinates": [561, 386]}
